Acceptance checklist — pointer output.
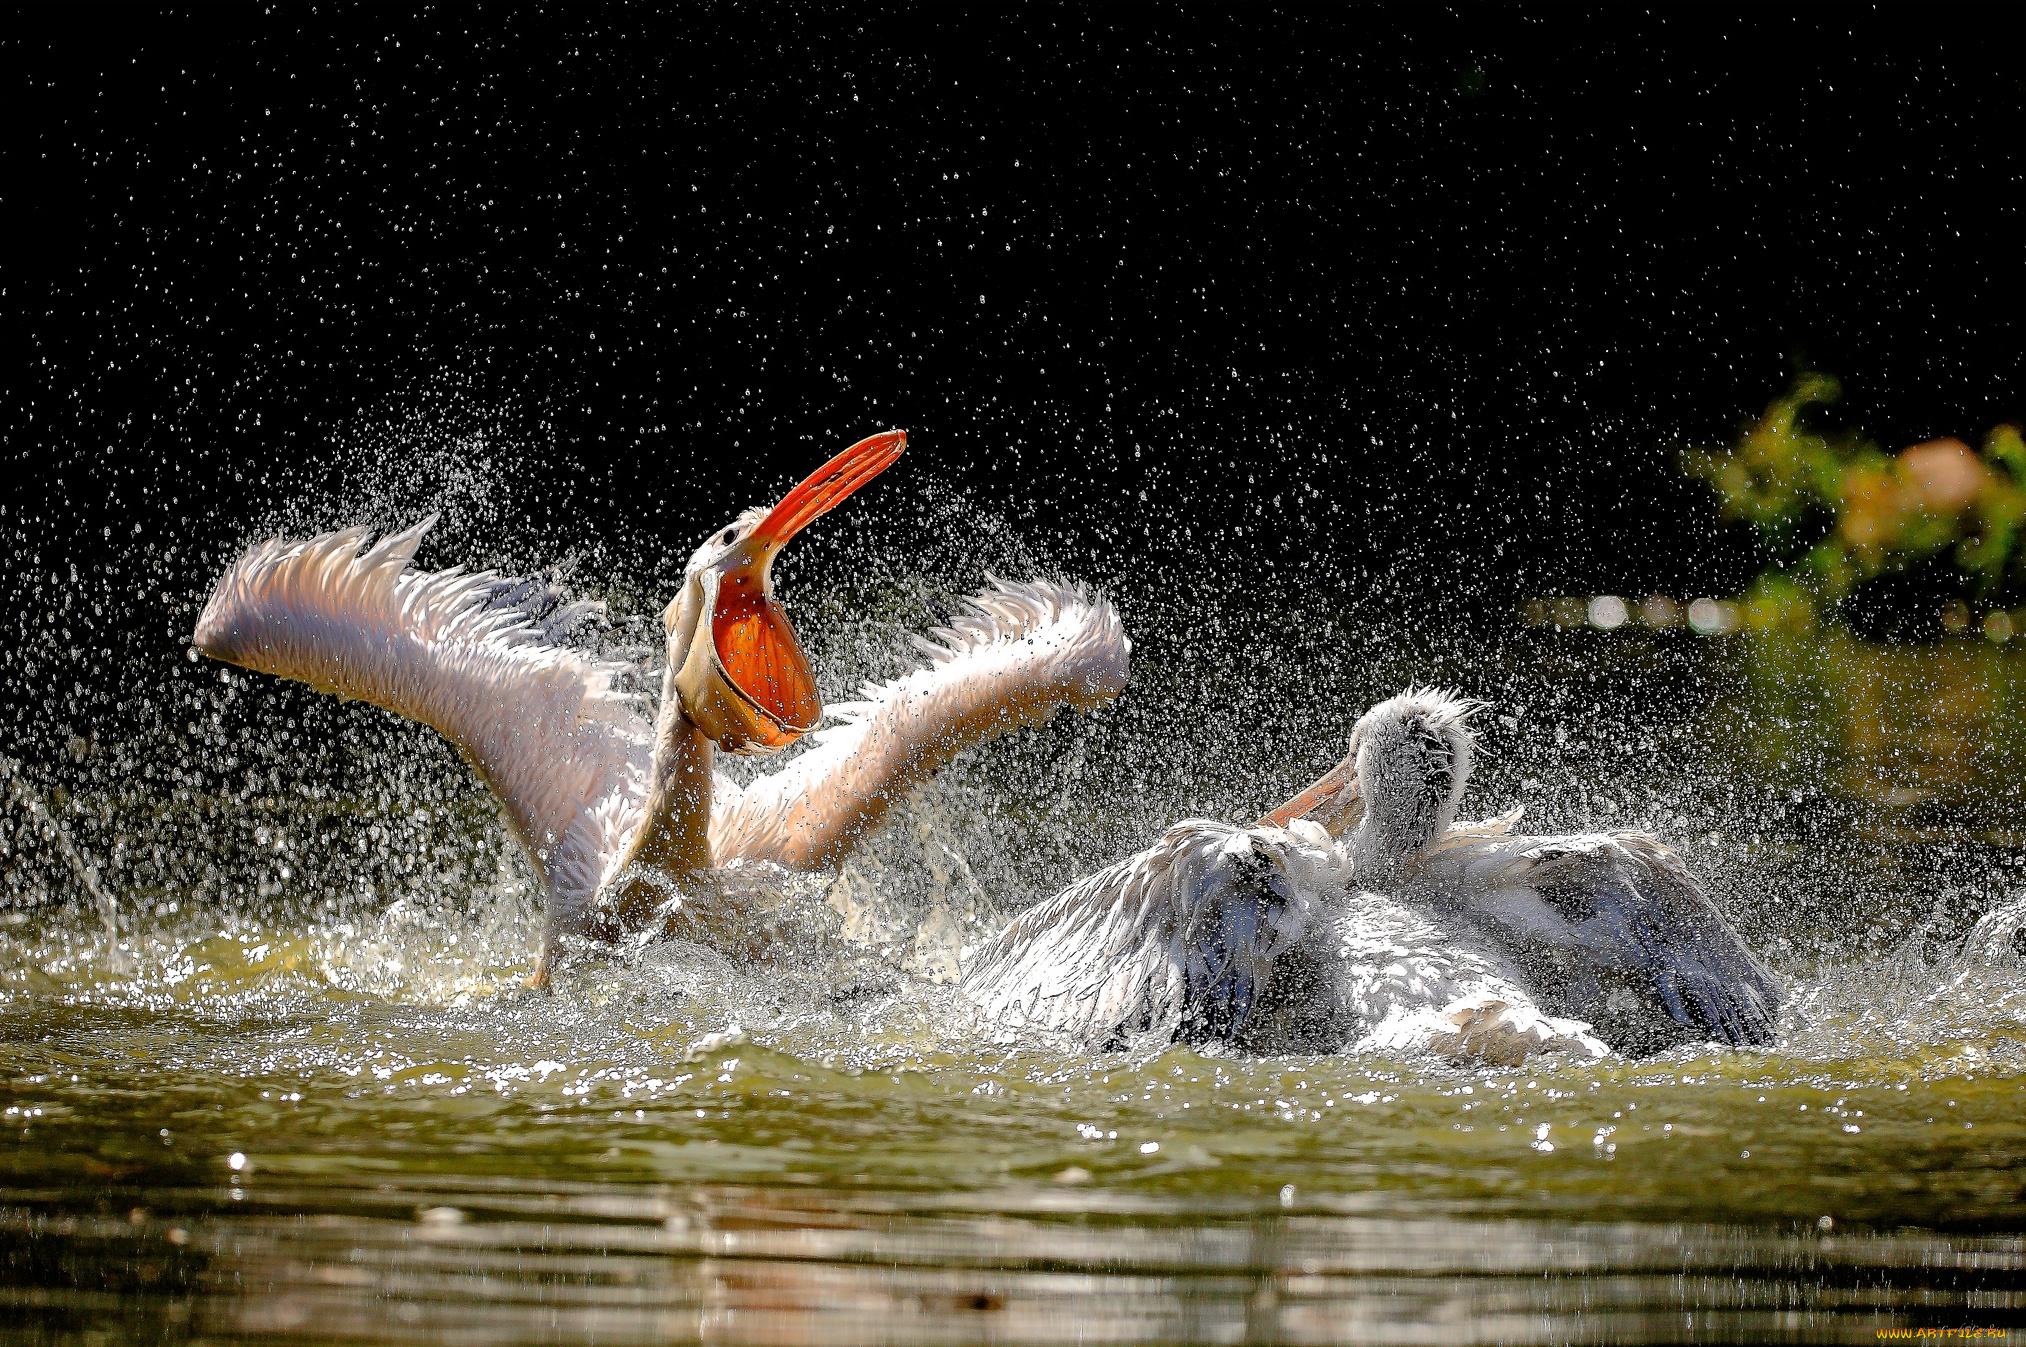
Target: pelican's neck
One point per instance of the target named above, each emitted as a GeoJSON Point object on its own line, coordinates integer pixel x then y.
{"type": "Point", "coordinates": [674, 835]}
{"type": "Point", "coordinates": [1378, 861]}
{"type": "Point", "coordinates": [674, 832]}
{"type": "Point", "coordinates": [673, 840]}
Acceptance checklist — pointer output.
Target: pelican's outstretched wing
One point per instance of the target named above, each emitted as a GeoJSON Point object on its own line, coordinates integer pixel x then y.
{"type": "Point", "coordinates": [1022, 653]}
{"type": "Point", "coordinates": [1180, 940]}
{"type": "Point", "coordinates": [1629, 907]}
{"type": "Point", "coordinates": [475, 657]}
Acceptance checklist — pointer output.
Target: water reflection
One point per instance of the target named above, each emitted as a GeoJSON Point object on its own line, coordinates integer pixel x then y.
{"type": "Point", "coordinates": [753, 1265]}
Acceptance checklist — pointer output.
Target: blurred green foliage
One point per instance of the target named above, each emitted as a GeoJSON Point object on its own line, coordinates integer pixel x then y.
{"type": "Point", "coordinates": [1840, 510]}
{"type": "Point", "coordinates": [1889, 723]}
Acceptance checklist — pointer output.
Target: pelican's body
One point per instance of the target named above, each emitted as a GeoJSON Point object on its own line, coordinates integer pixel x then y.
{"type": "Point", "coordinates": [605, 801]}
{"type": "Point", "coordinates": [1361, 916]}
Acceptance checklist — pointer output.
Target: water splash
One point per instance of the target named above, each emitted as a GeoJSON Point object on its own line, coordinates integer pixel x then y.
{"type": "Point", "coordinates": [23, 796]}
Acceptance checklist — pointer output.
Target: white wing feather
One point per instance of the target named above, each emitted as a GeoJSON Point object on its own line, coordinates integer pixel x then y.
{"type": "Point", "coordinates": [1022, 653]}
{"type": "Point", "coordinates": [1097, 958]}
{"type": "Point", "coordinates": [565, 752]}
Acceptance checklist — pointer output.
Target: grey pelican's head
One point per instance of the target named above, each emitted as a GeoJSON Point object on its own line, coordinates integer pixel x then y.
{"type": "Point", "coordinates": [1397, 788]}
{"type": "Point", "coordinates": [742, 675]}
{"type": "Point", "coordinates": [1413, 754]}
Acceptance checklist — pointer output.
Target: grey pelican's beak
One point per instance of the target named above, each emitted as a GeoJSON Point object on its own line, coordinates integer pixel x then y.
{"type": "Point", "coordinates": [750, 686]}
{"type": "Point", "coordinates": [1336, 802]}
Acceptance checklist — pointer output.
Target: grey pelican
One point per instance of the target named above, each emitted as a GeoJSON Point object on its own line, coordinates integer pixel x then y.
{"type": "Point", "coordinates": [1361, 915]}
{"type": "Point", "coordinates": [605, 804]}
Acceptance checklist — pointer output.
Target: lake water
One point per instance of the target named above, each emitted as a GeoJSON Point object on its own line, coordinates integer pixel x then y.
{"type": "Point", "coordinates": [280, 1077]}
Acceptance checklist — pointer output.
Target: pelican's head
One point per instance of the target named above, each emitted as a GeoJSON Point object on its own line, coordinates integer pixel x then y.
{"type": "Point", "coordinates": [738, 668]}
{"type": "Point", "coordinates": [1413, 754]}
{"type": "Point", "coordinates": [1399, 783]}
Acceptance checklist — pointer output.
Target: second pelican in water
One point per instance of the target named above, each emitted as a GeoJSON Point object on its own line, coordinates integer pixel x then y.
{"type": "Point", "coordinates": [1361, 915]}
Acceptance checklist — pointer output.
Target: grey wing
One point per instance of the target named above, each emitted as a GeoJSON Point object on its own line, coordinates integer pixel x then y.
{"type": "Point", "coordinates": [1628, 896]}
{"type": "Point", "coordinates": [1179, 940]}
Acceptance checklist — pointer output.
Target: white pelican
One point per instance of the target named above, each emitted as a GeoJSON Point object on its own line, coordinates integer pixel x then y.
{"type": "Point", "coordinates": [601, 800]}
{"type": "Point", "coordinates": [1410, 933]}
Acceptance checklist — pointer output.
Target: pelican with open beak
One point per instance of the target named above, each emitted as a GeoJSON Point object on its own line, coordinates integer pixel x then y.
{"type": "Point", "coordinates": [749, 687]}
{"type": "Point", "coordinates": [601, 800]}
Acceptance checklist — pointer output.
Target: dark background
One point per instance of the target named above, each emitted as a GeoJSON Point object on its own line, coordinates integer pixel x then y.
{"type": "Point", "coordinates": [1396, 305]}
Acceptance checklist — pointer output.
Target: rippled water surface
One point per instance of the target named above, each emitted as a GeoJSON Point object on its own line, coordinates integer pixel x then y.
{"type": "Point", "coordinates": [280, 1076]}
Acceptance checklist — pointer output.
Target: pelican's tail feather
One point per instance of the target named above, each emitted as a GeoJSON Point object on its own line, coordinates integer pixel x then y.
{"type": "Point", "coordinates": [477, 657]}
{"type": "Point", "coordinates": [1016, 655]}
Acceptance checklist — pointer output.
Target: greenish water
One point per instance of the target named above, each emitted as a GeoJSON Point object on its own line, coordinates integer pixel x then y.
{"type": "Point", "coordinates": [297, 1090]}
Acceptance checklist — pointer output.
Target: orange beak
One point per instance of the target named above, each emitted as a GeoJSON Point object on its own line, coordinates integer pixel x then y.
{"type": "Point", "coordinates": [824, 490]}
{"type": "Point", "coordinates": [755, 644]}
